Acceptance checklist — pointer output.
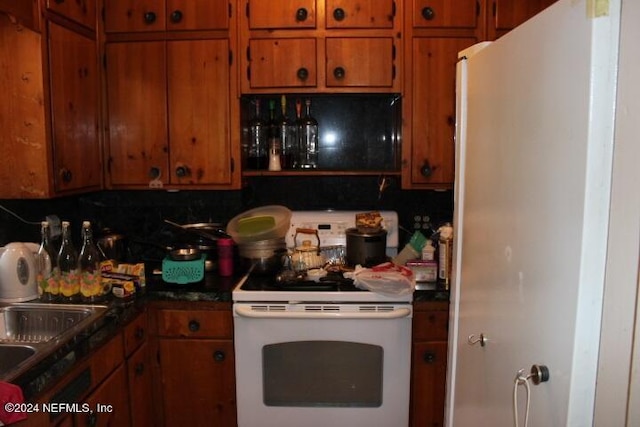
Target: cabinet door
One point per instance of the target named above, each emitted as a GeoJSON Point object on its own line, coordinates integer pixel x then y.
{"type": "Point", "coordinates": [137, 108]}
{"type": "Point", "coordinates": [360, 13]}
{"type": "Point", "coordinates": [198, 385]}
{"type": "Point", "coordinates": [81, 11]}
{"type": "Point", "coordinates": [197, 15]}
{"type": "Point", "coordinates": [134, 15]}
{"type": "Point", "coordinates": [199, 111]}
{"type": "Point", "coordinates": [282, 14]}
{"type": "Point", "coordinates": [508, 14]}
{"type": "Point", "coordinates": [428, 382]}
{"type": "Point", "coordinates": [360, 62]}
{"type": "Point", "coordinates": [74, 104]}
{"type": "Point", "coordinates": [140, 387]}
{"type": "Point", "coordinates": [445, 13]}
{"type": "Point", "coordinates": [282, 63]}
{"type": "Point", "coordinates": [112, 395]}
{"type": "Point", "coordinates": [433, 118]}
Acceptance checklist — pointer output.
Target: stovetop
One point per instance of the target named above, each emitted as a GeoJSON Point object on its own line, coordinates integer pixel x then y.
{"type": "Point", "coordinates": [333, 282]}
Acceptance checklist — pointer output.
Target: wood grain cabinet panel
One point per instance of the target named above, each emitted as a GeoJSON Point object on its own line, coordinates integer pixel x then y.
{"type": "Point", "coordinates": [360, 62]}
{"type": "Point", "coordinates": [360, 13]}
{"type": "Point", "coordinates": [113, 392]}
{"type": "Point", "coordinates": [508, 14]}
{"type": "Point", "coordinates": [445, 13]}
{"type": "Point", "coordinates": [81, 11]}
{"type": "Point", "coordinates": [282, 63]}
{"type": "Point", "coordinates": [284, 14]}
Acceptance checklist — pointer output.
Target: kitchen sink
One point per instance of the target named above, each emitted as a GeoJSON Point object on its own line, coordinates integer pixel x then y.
{"type": "Point", "coordinates": [29, 332]}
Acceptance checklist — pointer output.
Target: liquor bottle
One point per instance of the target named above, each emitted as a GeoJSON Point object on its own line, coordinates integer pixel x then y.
{"type": "Point", "coordinates": [287, 132]}
{"type": "Point", "coordinates": [68, 267]}
{"type": "Point", "coordinates": [47, 275]}
{"type": "Point", "coordinates": [257, 155]}
{"type": "Point", "coordinates": [89, 267]}
{"type": "Point", "coordinates": [308, 139]}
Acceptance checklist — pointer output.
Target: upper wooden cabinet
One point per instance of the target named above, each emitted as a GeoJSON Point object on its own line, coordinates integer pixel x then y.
{"type": "Point", "coordinates": [321, 46]}
{"type": "Point", "coordinates": [48, 121]}
{"type": "Point", "coordinates": [445, 14]}
{"type": "Point", "coordinates": [169, 15]}
{"type": "Point", "coordinates": [80, 11]}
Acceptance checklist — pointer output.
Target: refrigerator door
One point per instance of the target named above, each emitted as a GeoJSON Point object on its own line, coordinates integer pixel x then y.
{"type": "Point", "coordinates": [534, 153]}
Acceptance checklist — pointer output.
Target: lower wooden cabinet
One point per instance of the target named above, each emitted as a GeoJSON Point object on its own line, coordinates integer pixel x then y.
{"type": "Point", "coordinates": [110, 403]}
{"type": "Point", "coordinates": [194, 369]}
{"type": "Point", "coordinates": [429, 363]}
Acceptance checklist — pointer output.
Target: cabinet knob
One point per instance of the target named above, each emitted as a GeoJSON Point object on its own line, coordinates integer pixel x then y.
{"type": "Point", "coordinates": [339, 73]}
{"type": "Point", "coordinates": [92, 419]}
{"type": "Point", "coordinates": [429, 357]}
{"type": "Point", "coordinates": [176, 16]}
{"type": "Point", "coordinates": [66, 175]}
{"type": "Point", "coordinates": [427, 170]}
{"type": "Point", "coordinates": [149, 17]}
{"type": "Point", "coordinates": [301, 14]}
{"type": "Point", "coordinates": [139, 369]}
{"type": "Point", "coordinates": [428, 13]}
{"type": "Point", "coordinates": [139, 333]}
{"type": "Point", "coordinates": [194, 325]}
{"type": "Point", "coordinates": [338, 14]}
{"type": "Point", "coordinates": [182, 171]}
{"type": "Point", "coordinates": [154, 172]}
{"type": "Point", "coordinates": [219, 356]}
{"type": "Point", "coordinates": [303, 73]}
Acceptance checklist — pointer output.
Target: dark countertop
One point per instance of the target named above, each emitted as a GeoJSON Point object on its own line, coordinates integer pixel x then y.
{"type": "Point", "coordinates": [211, 288]}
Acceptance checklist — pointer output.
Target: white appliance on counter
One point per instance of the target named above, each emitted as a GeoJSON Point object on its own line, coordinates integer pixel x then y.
{"type": "Point", "coordinates": [322, 354]}
{"type": "Point", "coordinates": [547, 222]}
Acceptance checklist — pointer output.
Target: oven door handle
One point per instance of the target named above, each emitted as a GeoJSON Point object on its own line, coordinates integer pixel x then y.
{"type": "Point", "coordinates": [398, 313]}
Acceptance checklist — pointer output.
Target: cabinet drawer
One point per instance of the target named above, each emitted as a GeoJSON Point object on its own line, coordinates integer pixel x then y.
{"type": "Point", "coordinates": [197, 15]}
{"type": "Point", "coordinates": [81, 11]}
{"type": "Point", "coordinates": [430, 325]}
{"type": "Point", "coordinates": [134, 15]}
{"type": "Point", "coordinates": [445, 13]}
{"type": "Point", "coordinates": [360, 13]}
{"type": "Point", "coordinates": [282, 63]}
{"type": "Point", "coordinates": [284, 14]}
{"type": "Point", "coordinates": [195, 323]}
{"type": "Point", "coordinates": [366, 62]}
{"type": "Point", "coordinates": [135, 333]}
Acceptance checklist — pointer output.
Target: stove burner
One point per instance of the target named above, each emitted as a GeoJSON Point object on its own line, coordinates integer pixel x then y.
{"type": "Point", "coordinates": [330, 283]}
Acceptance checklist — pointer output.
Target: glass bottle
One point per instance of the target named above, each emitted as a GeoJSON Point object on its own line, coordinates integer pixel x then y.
{"type": "Point", "coordinates": [47, 275]}
{"type": "Point", "coordinates": [308, 139]}
{"type": "Point", "coordinates": [68, 267]}
{"type": "Point", "coordinates": [287, 132]}
{"type": "Point", "coordinates": [89, 267]}
{"type": "Point", "coordinates": [274, 139]}
{"type": "Point", "coordinates": [257, 155]}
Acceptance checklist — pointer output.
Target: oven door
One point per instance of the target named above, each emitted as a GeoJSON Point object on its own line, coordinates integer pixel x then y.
{"type": "Point", "coordinates": [322, 364]}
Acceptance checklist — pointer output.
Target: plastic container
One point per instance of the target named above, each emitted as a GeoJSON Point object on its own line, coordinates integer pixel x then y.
{"type": "Point", "coordinates": [263, 223]}
{"type": "Point", "coordinates": [225, 257]}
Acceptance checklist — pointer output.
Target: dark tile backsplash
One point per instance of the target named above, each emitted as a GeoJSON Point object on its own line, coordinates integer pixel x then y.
{"type": "Point", "coordinates": [140, 214]}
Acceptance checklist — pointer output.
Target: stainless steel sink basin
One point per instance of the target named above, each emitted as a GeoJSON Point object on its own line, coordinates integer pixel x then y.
{"type": "Point", "coordinates": [29, 332]}
{"type": "Point", "coordinates": [12, 355]}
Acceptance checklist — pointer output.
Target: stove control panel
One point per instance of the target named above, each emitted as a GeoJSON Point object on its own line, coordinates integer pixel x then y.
{"type": "Point", "coordinates": [332, 226]}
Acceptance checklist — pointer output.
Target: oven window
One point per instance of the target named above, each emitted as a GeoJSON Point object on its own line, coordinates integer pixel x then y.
{"type": "Point", "coordinates": [322, 374]}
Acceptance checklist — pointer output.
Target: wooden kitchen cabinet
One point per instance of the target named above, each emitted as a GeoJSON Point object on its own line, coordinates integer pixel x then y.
{"type": "Point", "coordinates": [177, 129]}
{"type": "Point", "coordinates": [169, 15]}
{"type": "Point", "coordinates": [49, 117]}
{"type": "Point", "coordinates": [435, 31]}
{"type": "Point", "coordinates": [429, 363]}
{"type": "Point", "coordinates": [138, 366]}
{"type": "Point", "coordinates": [112, 393]}
{"type": "Point", "coordinates": [195, 368]}
{"type": "Point", "coordinates": [290, 48]}
{"type": "Point", "coordinates": [80, 11]}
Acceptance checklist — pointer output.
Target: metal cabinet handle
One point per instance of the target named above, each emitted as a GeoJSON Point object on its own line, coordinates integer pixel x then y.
{"type": "Point", "coordinates": [219, 356]}
{"type": "Point", "coordinates": [473, 340]}
{"type": "Point", "coordinates": [302, 73]}
{"type": "Point", "coordinates": [339, 73]}
{"type": "Point", "coordinates": [176, 16]}
{"type": "Point", "coordinates": [428, 13]}
{"type": "Point", "coordinates": [302, 14]}
{"type": "Point", "coordinates": [338, 14]}
{"type": "Point", "coordinates": [149, 17]}
{"type": "Point", "coordinates": [194, 325]}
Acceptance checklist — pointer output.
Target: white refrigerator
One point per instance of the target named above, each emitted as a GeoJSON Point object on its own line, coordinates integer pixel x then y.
{"type": "Point", "coordinates": [547, 220]}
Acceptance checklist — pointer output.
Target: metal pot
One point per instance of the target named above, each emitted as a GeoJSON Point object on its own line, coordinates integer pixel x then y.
{"type": "Point", "coordinates": [204, 237]}
{"type": "Point", "coordinates": [367, 248]}
{"type": "Point", "coordinates": [264, 255]}
{"type": "Point", "coordinates": [113, 245]}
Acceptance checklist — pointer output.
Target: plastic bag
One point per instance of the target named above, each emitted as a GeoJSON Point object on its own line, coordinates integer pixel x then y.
{"type": "Point", "coordinates": [387, 279]}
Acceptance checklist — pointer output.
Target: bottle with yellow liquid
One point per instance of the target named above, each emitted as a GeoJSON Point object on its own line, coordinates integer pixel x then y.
{"type": "Point", "coordinates": [69, 285]}
{"type": "Point", "coordinates": [91, 289]}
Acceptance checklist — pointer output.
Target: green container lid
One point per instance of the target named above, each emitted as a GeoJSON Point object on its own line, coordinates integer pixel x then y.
{"type": "Point", "coordinates": [417, 241]}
